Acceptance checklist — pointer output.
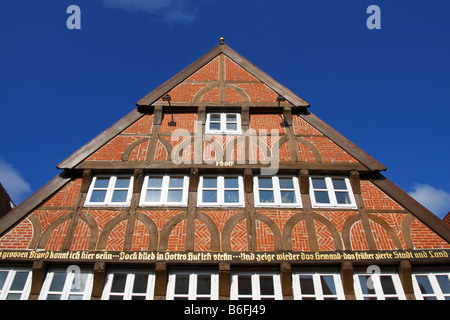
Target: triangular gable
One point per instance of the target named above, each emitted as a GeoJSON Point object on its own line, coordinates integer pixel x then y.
{"type": "Point", "coordinates": [156, 94]}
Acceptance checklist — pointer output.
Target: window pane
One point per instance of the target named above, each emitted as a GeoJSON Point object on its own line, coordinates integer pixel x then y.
{"type": "Point", "coordinates": [19, 281]}
{"type": "Point", "coordinates": [388, 285]}
{"type": "Point", "coordinates": [231, 117]}
{"type": "Point", "coordinates": [209, 196]}
{"type": "Point", "coordinates": [140, 283]}
{"type": "Point", "coordinates": [444, 283]}
{"type": "Point", "coordinates": [153, 196]}
{"type": "Point", "coordinates": [306, 284]}
{"type": "Point", "coordinates": [203, 284]}
{"type": "Point", "coordinates": [209, 182]}
{"type": "Point", "coordinates": [181, 284]}
{"type": "Point", "coordinates": [424, 284]}
{"type": "Point", "coordinates": [59, 278]}
{"type": "Point", "coordinates": [266, 285]}
{"type": "Point", "coordinates": [214, 126]}
{"type": "Point", "coordinates": [122, 182]}
{"type": "Point", "coordinates": [53, 297]}
{"type": "Point", "coordinates": [339, 184]}
{"type": "Point", "coordinates": [231, 196]}
{"type": "Point", "coordinates": [343, 198]}
{"type": "Point", "coordinates": [231, 182]}
{"type": "Point", "coordinates": [101, 183]}
{"type": "Point", "coordinates": [154, 182]}
{"type": "Point", "coordinates": [79, 282]}
{"type": "Point", "coordinates": [328, 285]}
{"type": "Point", "coordinates": [265, 183]}
{"type": "Point", "coordinates": [118, 284]}
{"type": "Point", "coordinates": [244, 285]}
{"type": "Point", "coordinates": [176, 182]}
{"type": "Point", "coordinates": [363, 280]}
{"type": "Point", "coordinates": [214, 116]}
{"type": "Point", "coordinates": [75, 297]}
{"type": "Point", "coordinates": [98, 196]}
{"type": "Point", "coordinates": [288, 197]}
{"type": "Point", "coordinates": [266, 196]}
{"type": "Point", "coordinates": [119, 196]}
{"type": "Point", "coordinates": [13, 296]}
{"type": "Point", "coordinates": [286, 183]}
{"type": "Point", "coordinates": [175, 196]}
{"type": "Point", "coordinates": [321, 197]}
{"type": "Point", "coordinates": [232, 126]}
{"type": "Point", "coordinates": [319, 183]}
{"type": "Point", "coordinates": [3, 275]}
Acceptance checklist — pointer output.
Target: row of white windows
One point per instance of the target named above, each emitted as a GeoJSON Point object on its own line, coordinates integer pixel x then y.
{"type": "Point", "coordinates": [223, 190]}
{"type": "Point", "coordinates": [61, 284]}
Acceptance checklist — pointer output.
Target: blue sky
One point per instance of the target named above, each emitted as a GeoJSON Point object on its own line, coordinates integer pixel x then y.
{"type": "Point", "coordinates": [387, 90]}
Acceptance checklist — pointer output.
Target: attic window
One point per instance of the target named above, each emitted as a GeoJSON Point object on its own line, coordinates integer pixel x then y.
{"type": "Point", "coordinates": [223, 122]}
{"type": "Point", "coordinates": [331, 192]}
{"type": "Point", "coordinates": [110, 191]}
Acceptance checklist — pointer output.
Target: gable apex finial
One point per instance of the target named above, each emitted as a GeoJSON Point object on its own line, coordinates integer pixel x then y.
{"type": "Point", "coordinates": [222, 40]}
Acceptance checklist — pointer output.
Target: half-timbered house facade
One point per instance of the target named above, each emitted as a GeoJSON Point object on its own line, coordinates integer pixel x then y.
{"type": "Point", "coordinates": [221, 184]}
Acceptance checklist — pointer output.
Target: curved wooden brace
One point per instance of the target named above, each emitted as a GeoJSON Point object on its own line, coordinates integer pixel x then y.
{"type": "Point", "coordinates": [200, 93]}
{"type": "Point", "coordinates": [406, 231]}
{"type": "Point", "coordinates": [130, 148]}
{"type": "Point", "coordinates": [168, 147]}
{"type": "Point", "coordinates": [48, 231]}
{"type": "Point", "coordinates": [228, 228]}
{"type": "Point", "coordinates": [110, 225]}
{"type": "Point", "coordinates": [93, 227]}
{"type": "Point", "coordinates": [311, 147]}
{"type": "Point", "coordinates": [177, 153]}
{"type": "Point", "coordinates": [289, 227]}
{"type": "Point", "coordinates": [151, 228]}
{"type": "Point", "coordinates": [167, 229]}
{"type": "Point", "coordinates": [37, 230]}
{"type": "Point", "coordinates": [213, 230]}
{"type": "Point", "coordinates": [348, 224]}
{"type": "Point", "coordinates": [383, 223]}
{"type": "Point", "coordinates": [242, 93]}
{"type": "Point", "coordinates": [277, 238]}
{"type": "Point", "coordinates": [332, 228]}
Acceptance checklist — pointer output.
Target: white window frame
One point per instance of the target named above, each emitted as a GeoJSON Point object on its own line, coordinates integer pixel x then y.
{"type": "Point", "coordinates": [438, 294]}
{"type": "Point", "coordinates": [192, 289]}
{"type": "Point", "coordinates": [221, 191]}
{"type": "Point", "coordinates": [332, 193]}
{"type": "Point", "coordinates": [70, 278]}
{"type": "Point", "coordinates": [223, 123]}
{"type": "Point", "coordinates": [128, 293]}
{"type": "Point", "coordinates": [165, 190]}
{"type": "Point", "coordinates": [277, 192]}
{"type": "Point", "coordinates": [375, 282]}
{"type": "Point", "coordinates": [110, 191]}
{"type": "Point", "coordinates": [6, 289]}
{"type": "Point", "coordinates": [255, 283]}
{"type": "Point", "coordinates": [318, 291]}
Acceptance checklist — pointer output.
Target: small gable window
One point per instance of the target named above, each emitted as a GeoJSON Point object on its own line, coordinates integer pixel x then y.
{"type": "Point", "coordinates": [110, 191]}
{"type": "Point", "coordinates": [165, 190]}
{"type": "Point", "coordinates": [331, 192]}
{"type": "Point", "coordinates": [223, 122]}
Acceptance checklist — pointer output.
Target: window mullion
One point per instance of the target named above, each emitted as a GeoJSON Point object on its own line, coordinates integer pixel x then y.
{"type": "Point", "coordinates": [110, 190]}
{"type": "Point", "coordinates": [318, 292]}
{"type": "Point", "coordinates": [276, 190]}
{"type": "Point", "coordinates": [331, 191]}
{"type": "Point", "coordinates": [164, 189]}
{"type": "Point", "coordinates": [220, 190]}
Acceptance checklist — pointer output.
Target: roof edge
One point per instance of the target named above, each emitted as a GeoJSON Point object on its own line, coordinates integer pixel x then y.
{"type": "Point", "coordinates": [28, 205]}
{"type": "Point", "coordinates": [415, 208]}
